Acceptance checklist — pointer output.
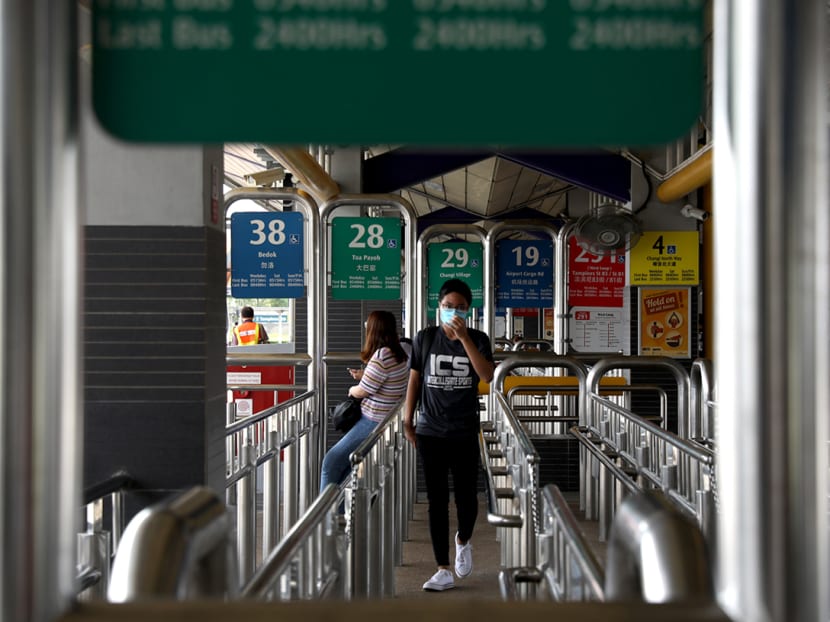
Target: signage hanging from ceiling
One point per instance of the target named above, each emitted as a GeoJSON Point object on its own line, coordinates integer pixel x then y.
{"type": "Point", "coordinates": [524, 273]}
{"type": "Point", "coordinates": [455, 260]}
{"type": "Point", "coordinates": [267, 255]}
{"type": "Point", "coordinates": [366, 258]}
{"type": "Point", "coordinates": [665, 258]}
{"type": "Point", "coordinates": [288, 71]}
{"type": "Point", "coordinates": [594, 280]}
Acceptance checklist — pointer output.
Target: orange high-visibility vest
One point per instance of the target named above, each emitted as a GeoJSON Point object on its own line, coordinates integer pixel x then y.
{"type": "Point", "coordinates": [247, 333]}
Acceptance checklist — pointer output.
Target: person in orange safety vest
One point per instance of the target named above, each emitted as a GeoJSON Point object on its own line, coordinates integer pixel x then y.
{"type": "Point", "coordinates": [248, 332]}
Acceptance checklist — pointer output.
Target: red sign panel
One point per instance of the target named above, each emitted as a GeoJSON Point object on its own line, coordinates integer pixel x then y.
{"type": "Point", "coordinates": [593, 280]}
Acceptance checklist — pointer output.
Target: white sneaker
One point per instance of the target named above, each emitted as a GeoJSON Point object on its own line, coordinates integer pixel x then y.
{"type": "Point", "coordinates": [463, 559]}
{"type": "Point", "coordinates": [440, 581]}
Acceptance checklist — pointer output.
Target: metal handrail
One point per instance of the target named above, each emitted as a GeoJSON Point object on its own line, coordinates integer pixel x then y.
{"type": "Point", "coordinates": [249, 421]}
{"type": "Point", "coordinates": [701, 404]}
{"type": "Point", "coordinates": [280, 442]}
{"type": "Point", "coordinates": [693, 449]}
{"type": "Point", "coordinates": [361, 451]}
{"type": "Point", "coordinates": [522, 463]}
{"type": "Point", "coordinates": [619, 474]}
{"type": "Point", "coordinates": [117, 482]}
{"type": "Point", "coordinates": [657, 554]}
{"type": "Point", "coordinates": [541, 388]}
{"type": "Point", "coordinates": [176, 548]}
{"type": "Point", "coordinates": [494, 516]}
{"type": "Point", "coordinates": [567, 566]}
{"type": "Point", "coordinates": [648, 457]}
{"type": "Point", "coordinates": [381, 496]}
{"type": "Point", "coordinates": [96, 545]}
{"type": "Point", "coordinates": [576, 548]}
{"type": "Point", "coordinates": [542, 359]}
{"type": "Point", "coordinates": [280, 559]}
{"type": "Point", "coordinates": [530, 344]}
{"type": "Point", "coordinates": [604, 365]}
{"type": "Point", "coordinates": [88, 577]}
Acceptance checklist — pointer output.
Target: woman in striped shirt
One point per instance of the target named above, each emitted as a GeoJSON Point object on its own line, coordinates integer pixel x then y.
{"type": "Point", "coordinates": [382, 385]}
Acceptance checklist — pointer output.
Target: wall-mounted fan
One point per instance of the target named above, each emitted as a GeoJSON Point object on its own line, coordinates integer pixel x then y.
{"type": "Point", "coordinates": [607, 229]}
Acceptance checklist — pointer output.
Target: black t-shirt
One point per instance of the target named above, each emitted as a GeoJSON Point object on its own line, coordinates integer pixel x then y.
{"type": "Point", "coordinates": [450, 384]}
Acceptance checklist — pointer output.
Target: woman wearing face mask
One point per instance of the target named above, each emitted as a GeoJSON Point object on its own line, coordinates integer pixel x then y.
{"type": "Point", "coordinates": [445, 379]}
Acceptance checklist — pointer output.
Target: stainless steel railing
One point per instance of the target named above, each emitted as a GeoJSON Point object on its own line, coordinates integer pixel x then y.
{"type": "Point", "coordinates": [680, 466]}
{"type": "Point", "coordinates": [381, 494]}
{"type": "Point", "coordinates": [326, 555]}
{"type": "Point", "coordinates": [566, 568]}
{"type": "Point", "coordinates": [621, 455]}
{"type": "Point", "coordinates": [657, 554]}
{"type": "Point", "coordinates": [309, 562]}
{"type": "Point", "coordinates": [182, 547]}
{"type": "Point", "coordinates": [177, 549]}
{"type": "Point", "coordinates": [512, 468]}
{"type": "Point", "coordinates": [271, 451]}
{"type": "Point", "coordinates": [96, 544]}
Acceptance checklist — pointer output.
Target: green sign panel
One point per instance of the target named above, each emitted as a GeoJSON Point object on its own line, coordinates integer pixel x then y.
{"type": "Point", "coordinates": [366, 258]}
{"type": "Point", "coordinates": [521, 72]}
{"type": "Point", "coordinates": [455, 260]}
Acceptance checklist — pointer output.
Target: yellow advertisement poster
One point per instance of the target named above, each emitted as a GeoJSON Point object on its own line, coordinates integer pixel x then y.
{"type": "Point", "coordinates": [665, 326]}
{"type": "Point", "coordinates": [665, 258]}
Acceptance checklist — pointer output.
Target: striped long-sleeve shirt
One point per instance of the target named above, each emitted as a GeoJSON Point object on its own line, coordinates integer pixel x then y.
{"type": "Point", "coordinates": [385, 380]}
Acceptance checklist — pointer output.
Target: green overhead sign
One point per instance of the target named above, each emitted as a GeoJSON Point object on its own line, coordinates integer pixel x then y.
{"type": "Point", "coordinates": [545, 72]}
{"type": "Point", "coordinates": [366, 258]}
{"type": "Point", "coordinates": [455, 260]}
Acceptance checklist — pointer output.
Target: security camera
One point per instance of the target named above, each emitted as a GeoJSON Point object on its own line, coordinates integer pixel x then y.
{"type": "Point", "coordinates": [693, 212]}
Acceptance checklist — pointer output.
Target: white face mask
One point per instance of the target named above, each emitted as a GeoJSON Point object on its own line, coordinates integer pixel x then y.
{"type": "Point", "coordinates": [448, 314]}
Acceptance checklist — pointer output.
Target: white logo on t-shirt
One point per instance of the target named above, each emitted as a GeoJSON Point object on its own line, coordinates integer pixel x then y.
{"type": "Point", "coordinates": [449, 365]}
{"type": "Point", "coordinates": [448, 372]}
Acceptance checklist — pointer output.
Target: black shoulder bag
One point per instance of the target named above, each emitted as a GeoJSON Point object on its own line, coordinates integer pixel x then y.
{"type": "Point", "coordinates": [345, 414]}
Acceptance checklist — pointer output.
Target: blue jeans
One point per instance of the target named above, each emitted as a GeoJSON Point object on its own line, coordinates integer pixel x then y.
{"type": "Point", "coordinates": [336, 466]}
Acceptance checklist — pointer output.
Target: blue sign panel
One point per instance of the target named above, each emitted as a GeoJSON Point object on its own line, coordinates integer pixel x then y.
{"type": "Point", "coordinates": [267, 255]}
{"type": "Point", "coordinates": [524, 273]}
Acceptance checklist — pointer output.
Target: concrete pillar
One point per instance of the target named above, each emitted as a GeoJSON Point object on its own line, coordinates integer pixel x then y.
{"type": "Point", "coordinates": [154, 318]}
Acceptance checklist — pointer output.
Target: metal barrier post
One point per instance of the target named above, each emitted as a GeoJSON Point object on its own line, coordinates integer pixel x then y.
{"type": "Point", "coordinates": [360, 542]}
{"type": "Point", "coordinates": [669, 476]}
{"type": "Point", "coordinates": [304, 474]}
{"type": "Point", "coordinates": [707, 516]}
{"type": "Point", "coordinates": [246, 515]}
{"type": "Point", "coordinates": [373, 526]}
{"type": "Point", "coordinates": [231, 449]}
{"type": "Point", "coordinates": [400, 463]}
{"type": "Point", "coordinates": [94, 551]}
{"type": "Point", "coordinates": [117, 500]}
{"type": "Point", "coordinates": [271, 495]}
{"type": "Point", "coordinates": [388, 523]}
{"type": "Point", "coordinates": [606, 500]}
{"type": "Point", "coordinates": [290, 468]}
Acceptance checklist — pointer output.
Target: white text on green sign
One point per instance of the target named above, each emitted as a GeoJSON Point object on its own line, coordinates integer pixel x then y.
{"type": "Point", "coordinates": [455, 260]}
{"type": "Point", "coordinates": [366, 258]}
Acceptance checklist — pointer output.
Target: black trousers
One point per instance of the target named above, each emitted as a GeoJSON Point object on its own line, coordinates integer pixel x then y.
{"type": "Point", "coordinates": [441, 457]}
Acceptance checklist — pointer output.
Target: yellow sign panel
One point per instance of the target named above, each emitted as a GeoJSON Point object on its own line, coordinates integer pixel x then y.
{"type": "Point", "coordinates": [665, 258]}
{"type": "Point", "coordinates": [665, 325]}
